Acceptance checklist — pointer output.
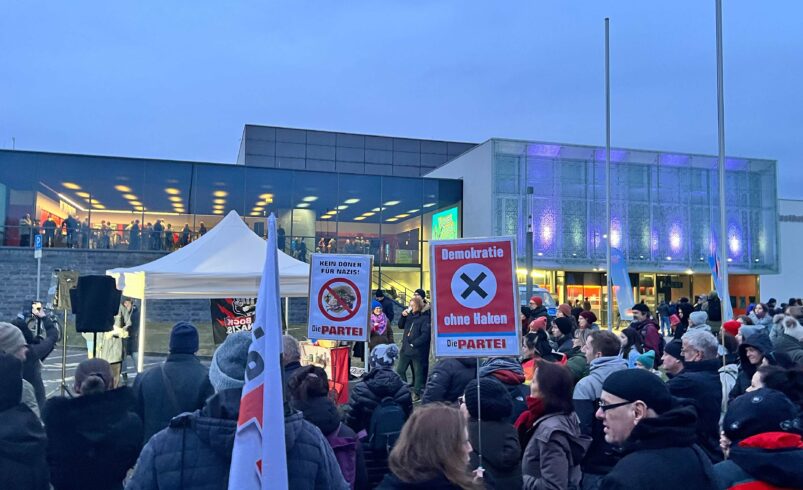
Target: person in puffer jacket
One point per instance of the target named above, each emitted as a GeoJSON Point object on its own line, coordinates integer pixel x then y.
{"type": "Point", "coordinates": [448, 379]}
{"type": "Point", "coordinates": [194, 451]}
{"type": "Point", "coordinates": [759, 450]}
{"type": "Point", "coordinates": [511, 375]}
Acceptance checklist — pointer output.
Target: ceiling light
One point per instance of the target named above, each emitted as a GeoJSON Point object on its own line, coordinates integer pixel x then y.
{"type": "Point", "coordinates": [413, 210]}
{"type": "Point", "coordinates": [178, 199]}
{"type": "Point", "coordinates": [71, 185]}
{"type": "Point", "coordinates": [326, 216]}
{"type": "Point", "coordinates": [254, 213]}
{"type": "Point", "coordinates": [403, 215]}
{"type": "Point", "coordinates": [216, 201]}
{"type": "Point", "coordinates": [172, 191]}
{"type": "Point", "coordinates": [668, 258]}
{"type": "Point", "coordinates": [82, 194]}
{"type": "Point", "coordinates": [369, 213]}
{"type": "Point", "coordinates": [135, 203]}
{"type": "Point", "coordinates": [302, 205]}
{"type": "Point", "coordinates": [98, 206]}
{"type": "Point", "coordinates": [220, 193]}
{"type": "Point", "coordinates": [342, 207]}
{"type": "Point", "coordinates": [310, 198]}
{"type": "Point", "coordinates": [392, 203]}
{"type": "Point", "coordinates": [266, 197]}
{"type": "Point", "coordinates": [390, 220]}
{"type": "Point", "coordinates": [689, 271]}
{"type": "Point", "coordinates": [122, 188]}
{"type": "Point", "coordinates": [259, 208]}
{"type": "Point", "coordinates": [353, 200]}
{"type": "Point", "coordinates": [130, 197]}
{"type": "Point", "coordinates": [218, 206]}
{"type": "Point", "coordinates": [359, 218]}
{"type": "Point", "coordinates": [330, 213]}
{"type": "Point", "coordinates": [376, 210]}
{"type": "Point", "coordinates": [429, 204]}
{"type": "Point", "coordinates": [217, 211]}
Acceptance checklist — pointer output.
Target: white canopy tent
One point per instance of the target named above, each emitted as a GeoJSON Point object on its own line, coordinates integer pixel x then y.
{"type": "Point", "coordinates": [226, 262]}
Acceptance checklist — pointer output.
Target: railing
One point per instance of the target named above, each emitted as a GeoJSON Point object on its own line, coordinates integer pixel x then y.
{"type": "Point", "coordinates": [395, 290]}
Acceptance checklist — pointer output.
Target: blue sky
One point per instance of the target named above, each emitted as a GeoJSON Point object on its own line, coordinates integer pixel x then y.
{"type": "Point", "coordinates": [179, 80]}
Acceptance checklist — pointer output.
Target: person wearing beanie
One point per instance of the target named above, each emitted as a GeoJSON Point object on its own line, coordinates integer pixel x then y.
{"type": "Point", "coordinates": [564, 310]}
{"type": "Point", "coordinates": [12, 342]}
{"type": "Point", "coordinates": [448, 379]}
{"type": "Point", "coordinates": [421, 294]}
{"type": "Point", "coordinates": [387, 305]}
{"type": "Point", "coordinates": [23, 442]}
{"type": "Point", "coordinates": [587, 320]}
{"type": "Point", "coordinates": [790, 340]}
{"type": "Point", "coordinates": [94, 438]}
{"type": "Point", "coordinates": [381, 333]}
{"type": "Point", "coordinates": [562, 329]}
{"type": "Point", "coordinates": [646, 360]}
{"type": "Point", "coordinates": [501, 454]}
{"type": "Point", "coordinates": [685, 310]}
{"type": "Point", "coordinates": [656, 437]}
{"type": "Point", "coordinates": [697, 321]}
{"type": "Point", "coordinates": [177, 385]}
{"type": "Point", "coordinates": [751, 354]}
{"type": "Point", "coordinates": [674, 322]}
{"type": "Point", "coordinates": [556, 446]}
{"type": "Point", "coordinates": [672, 360]}
{"type": "Point", "coordinates": [194, 451]}
{"type": "Point", "coordinates": [537, 309]}
{"type": "Point", "coordinates": [731, 327]}
{"type": "Point", "coordinates": [538, 324]}
{"type": "Point", "coordinates": [759, 449]}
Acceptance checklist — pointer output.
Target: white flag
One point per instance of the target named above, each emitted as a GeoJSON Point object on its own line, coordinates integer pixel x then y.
{"type": "Point", "coordinates": [259, 458]}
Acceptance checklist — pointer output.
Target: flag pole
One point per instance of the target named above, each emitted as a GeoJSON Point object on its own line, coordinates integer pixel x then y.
{"type": "Point", "coordinates": [723, 236]}
{"type": "Point", "coordinates": [608, 172]}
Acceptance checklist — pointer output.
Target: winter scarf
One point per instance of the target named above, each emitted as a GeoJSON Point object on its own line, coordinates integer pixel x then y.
{"type": "Point", "coordinates": [524, 424]}
{"type": "Point", "coordinates": [379, 323]}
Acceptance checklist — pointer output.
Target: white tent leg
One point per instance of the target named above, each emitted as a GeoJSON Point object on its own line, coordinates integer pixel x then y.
{"type": "Point", "coordinates": [141, 348]}
{"type": "Point", "coordinates": [287, 312]}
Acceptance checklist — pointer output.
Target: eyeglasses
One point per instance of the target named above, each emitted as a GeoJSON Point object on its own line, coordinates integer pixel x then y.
{"type": "Point", "coordinates": [610, 406]}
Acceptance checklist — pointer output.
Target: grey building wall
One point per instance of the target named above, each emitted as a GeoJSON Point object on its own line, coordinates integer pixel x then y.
{"type": "Point", "coordinates": [269, 146]}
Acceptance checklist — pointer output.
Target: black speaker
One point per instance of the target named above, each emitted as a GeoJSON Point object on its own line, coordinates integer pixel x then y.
{"type": "Point", "coordinates": [95, 301]}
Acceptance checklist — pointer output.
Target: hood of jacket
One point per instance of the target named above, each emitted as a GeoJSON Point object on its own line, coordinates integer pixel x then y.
{"type": "Point", "coordinates": [709, 365]}
{"type": "Point", "coordinates": [22, 437]}
{"type": "Point", "coordinates": [216, 423]}
{"type": "Point", "coordinates": [772, 457]}
{"type": "Point", "coordinates": [321, 412]}
{"type": "Point", "coordinates": [674, 428]}
{"type": "Point", "coordinates": [382, 382]}
{"type": "Point", "coordinates": [606, 365]}
{"type": "Point", "coordinates": [500, 443]}
{"type": "Point", "coordinates": [501, 364]}
{"type": "Point", "coordinates": [760, 341]}
{"type": "Point", "coordinates": [569, 425]}
{"type": "Point", "coordinates": [97, 418]}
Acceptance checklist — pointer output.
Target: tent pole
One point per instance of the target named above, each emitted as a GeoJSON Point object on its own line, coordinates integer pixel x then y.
{"type": "Point", "coordinates": [286, 313]}
{"type": "Point", "coordinates": [141, 347]}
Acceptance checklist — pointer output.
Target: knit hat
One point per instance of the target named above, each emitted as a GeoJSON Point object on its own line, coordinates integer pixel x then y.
{"type": "Point", "coordinates": [183, 339]}
{"type": "Point", "coordinates": [537, 300]}
{"type": "Point", "coordinates": [10, 381]}
{"type": "Point", "coordinates": [383, 355]}
{"type": "Point", "coordinates": [538, 324]}
{"type": "Point", "coordinates": [674, 320]}
{"type": "Point", "coordinates": [732, 327]}
{"type": "Point", "coordinates": [647, 359]}
{"type": "Point", "coordinates": [496, 402]}
{"type": "Point", "coordinates": [698, 317]}
{"type": "Point", "coordinates": [565, 309]}
{"type": "Point", "coordinates": [421, 293]}
{"type": "Point", "coordinates": [229, 361]}
{"type": "Point", "coordinates": [379, 294]}
{"type": "Point", "coordinates": [564, 324]}
{"type": "Point", "coordinates": [11, 338]}
{"type": "Point", "coordinates": [375, 304]}
{"type": "Point", "coordinates": [750, 330]}
{"type": "Point", "coordinates": [589, 316]}
{"type": "Point", "coordinates": [762, 410]}
{"type": "Point", "coordinates": [641, 307]}
{"type": "Point", "coordinates": [673, 349]}
{"type": "Point", "coordinates": [638, 384]}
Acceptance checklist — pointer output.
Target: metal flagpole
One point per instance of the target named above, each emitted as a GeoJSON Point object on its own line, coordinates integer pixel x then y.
{"type": "Point", "coordinates": [608, 171]}
{"type": "Point", "coordinates": [479, 417]}
{"type": "Point", "coordinates": [723, 236]}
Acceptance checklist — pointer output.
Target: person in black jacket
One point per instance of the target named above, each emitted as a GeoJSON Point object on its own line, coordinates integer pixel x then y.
{"type": "Point", "coordinates": [448, 379]}
{"type": "Point", "coordinates": [699, 383]}
{"type": "Point", "coordinates": [656, 437]}
{"type": "Point", "coordinates": [95, 438]}
{"type": "Point", "coordinates": [387, 305]}
{"type": "Point", "coordinates": [37, 349]}
{"type": "Point", "coordinates": [22, 438]}
{"type": "Point", "coordinates": [562, 334]}
{"type": "Point", "coordinates": [415, 344]}
{"type": "Point", "coordinates": [181, 384]}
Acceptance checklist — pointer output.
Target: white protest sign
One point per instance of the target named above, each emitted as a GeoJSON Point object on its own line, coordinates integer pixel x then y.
{"type": "Point", "coordinates": [339, 297]}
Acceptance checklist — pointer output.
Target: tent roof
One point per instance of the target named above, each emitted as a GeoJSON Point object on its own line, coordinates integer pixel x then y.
{"type": "Point", "coordinates": [226, 262]}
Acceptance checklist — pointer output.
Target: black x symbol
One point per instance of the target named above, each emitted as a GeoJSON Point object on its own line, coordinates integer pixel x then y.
{"type": "Point", "coordinates": [473, 285]}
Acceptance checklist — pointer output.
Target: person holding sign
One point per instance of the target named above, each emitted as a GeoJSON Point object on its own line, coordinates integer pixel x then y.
{"type": "Point", "coordinates": [415, 344]}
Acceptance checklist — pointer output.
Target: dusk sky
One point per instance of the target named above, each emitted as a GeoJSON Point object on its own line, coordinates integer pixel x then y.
{"type": "Point", "coordinates": [179, 80]}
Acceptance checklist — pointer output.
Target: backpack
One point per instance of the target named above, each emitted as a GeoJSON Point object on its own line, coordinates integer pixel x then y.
{"type": "Point", "coordinates": [345, 449]}
{"type": "Point", "coordinates": [385, 425]}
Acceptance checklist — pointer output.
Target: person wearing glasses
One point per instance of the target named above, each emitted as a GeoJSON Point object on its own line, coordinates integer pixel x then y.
{"type": "Point", "coordinates": [655, 435]}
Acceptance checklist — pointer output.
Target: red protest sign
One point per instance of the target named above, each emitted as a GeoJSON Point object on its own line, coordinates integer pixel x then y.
{"type": "Point", "coordinates": [474, 296]}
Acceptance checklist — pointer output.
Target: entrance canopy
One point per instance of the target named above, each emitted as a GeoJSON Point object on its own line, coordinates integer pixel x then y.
{"type": "Point", "coordinates": [226, 262]}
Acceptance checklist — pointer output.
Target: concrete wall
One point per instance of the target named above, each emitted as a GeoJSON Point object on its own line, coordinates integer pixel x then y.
{"type": "Point", "coordinates": [789, 280]}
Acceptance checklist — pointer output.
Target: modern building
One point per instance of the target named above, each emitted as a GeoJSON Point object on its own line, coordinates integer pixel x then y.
{"type": "Point", "coordinates": [664, 208]}
{"type": "Point", "coordinates": [787, 283]}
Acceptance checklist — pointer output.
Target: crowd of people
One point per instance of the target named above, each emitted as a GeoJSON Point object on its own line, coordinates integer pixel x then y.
{"type": "Point", "coordinates": [700, 406]}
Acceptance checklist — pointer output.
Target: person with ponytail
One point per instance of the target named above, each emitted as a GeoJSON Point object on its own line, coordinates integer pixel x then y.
{"type": "Point", "coordinates": [94, 438]}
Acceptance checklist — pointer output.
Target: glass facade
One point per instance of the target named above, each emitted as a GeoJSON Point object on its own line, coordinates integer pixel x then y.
{"type": "Point", "coordinates": [161, 205]}
{"type": "Point", "coordinates": [664, 208]}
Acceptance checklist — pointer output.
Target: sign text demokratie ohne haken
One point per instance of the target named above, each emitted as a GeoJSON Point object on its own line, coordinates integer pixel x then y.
{"type": "Point", "coordinates": [340, 297]}
{"type": "Point", "coordinates": [474, 296]}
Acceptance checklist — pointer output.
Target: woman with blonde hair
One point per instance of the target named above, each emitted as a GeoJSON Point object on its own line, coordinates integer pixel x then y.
{"type": "Point", "coordinates": [415, 321]}
{"type": "Point", "coordinates": [432, 452]}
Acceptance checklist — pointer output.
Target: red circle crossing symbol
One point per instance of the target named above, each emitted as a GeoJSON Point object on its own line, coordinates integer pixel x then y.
{"type": "Point", "coordinates": [341, 297]}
